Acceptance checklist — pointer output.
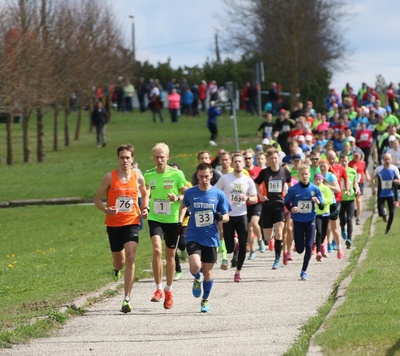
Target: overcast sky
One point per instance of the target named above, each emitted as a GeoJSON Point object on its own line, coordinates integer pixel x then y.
{"type": "Point", "coordinates": [184, 31]}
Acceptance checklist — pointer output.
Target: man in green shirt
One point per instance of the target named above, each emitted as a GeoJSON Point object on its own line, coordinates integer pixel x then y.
{"type": "Point", "coordinates": [166, 186]}
{"type": "Point", "coordinates": [314, 167]}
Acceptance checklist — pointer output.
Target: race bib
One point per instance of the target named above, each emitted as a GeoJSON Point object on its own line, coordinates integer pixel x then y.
{"type": "Point", "coordinates": [304, 206]}
{"type": "Point", "coordinates": [124, 204]}
{"type": "Point", "coordinates": [386, 184]}
{"type": "Point", "coordinates": [235, 200]}
{"type": "Point", "coordinates": [162, 207]}
{"type": "Point", "coordinates": [204, 218]}
{"type": "Point", "coordinates": [286, 128]}
{"type": "Point", "coordinates": [275, 186]}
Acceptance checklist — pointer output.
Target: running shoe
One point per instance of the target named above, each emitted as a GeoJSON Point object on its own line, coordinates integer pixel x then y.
{"type": "Point", "coordinates": [196, 289]}
{"type": "Point", "coordinates": [126, 306]}
{"type": "Point", "coordinates": [178, 276]}
{"type": "Point", "coordinates": [168, 300]}
{"type": "Point", "coordinates": [275, 265]}
{"type": "Point", "coordinates": [330, 248]}
{"type": "Point", "coordinates": [344, 235]}
{"type": "Point", "coordinates": [237, 278]}
{"type": "Point", "coordinates": [205, 308]}
{"type": "Point", "coordinates": [271, 244]}
{"type": "Point", "coordinates": [252, 255]}
{"type": "Point", "coordinates": [234, 260]}
{"type": "Point", "coordinates": [323, 251]}
{"type": "Point", "coordinates": [334, 245]}
{"type": "Point", "coordinates": [319, 256]}
{"type": "Point", "coordinates": [224, 265]}
{"type": "Point", "coordinates": [285, 258]}
{"type": "Point", "coordinates": [212, 143]}
{"type": "Point", "coordinates": [289, 256]}
{"type": "Point", "coordinates": [358, 222]}
{"type": "Point", "coordinates": [261, 246]}
{"type": "Point", "coordinates": [157, 296]}
{"type": "Point", "coordinates": [348, 244]}
{"type": "Point", "coordinates": [303, 276]}
{"type": "Point", "coordinates": [116, 274]}
{"type": "Point", "coordinates": [340, 254]}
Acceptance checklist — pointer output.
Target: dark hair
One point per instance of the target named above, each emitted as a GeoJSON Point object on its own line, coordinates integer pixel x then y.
{"type": "Point", "coordinates": [126, 147]}
{"type": "Point", "coordinates": [202, 166]}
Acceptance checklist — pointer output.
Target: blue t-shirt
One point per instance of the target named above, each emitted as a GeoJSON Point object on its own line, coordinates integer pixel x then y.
{"type": "Point", "coordinates": [202, 228]}
{"type": "Point", "coordinates": [385, 181]}
{"type": "Point", "coordinates": [301, 196]}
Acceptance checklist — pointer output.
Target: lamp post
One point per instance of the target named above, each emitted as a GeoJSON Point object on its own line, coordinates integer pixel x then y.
{"type": "Point", "coordinates": [133, 36]}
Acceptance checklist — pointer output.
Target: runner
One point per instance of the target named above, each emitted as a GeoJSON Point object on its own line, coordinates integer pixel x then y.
{"type": "Point", "coordinates": [300, 201]}
{"type": "Point", "coordinates": [123, 213]}
{"type": "Point", "coordinates": [208, 206]}
{"type": "Point", "coordinates": [253, 210]}
{"type": "Point", "coordinates": [347, 207]}
{"type": "Point", "coordinates": [238, 189]}
{"type": "Point", "coordinates": [387, 175]}
{"type": "Point", "coordinates": [166, 185]}
{"type": "Point", "coordinates": [322, 218]}
{"type": "Point", "coordinates": [274, 178]}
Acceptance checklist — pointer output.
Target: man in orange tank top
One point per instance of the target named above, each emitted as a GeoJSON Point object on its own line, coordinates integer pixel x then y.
{"type": "Point", "coordinates": [122, 186]}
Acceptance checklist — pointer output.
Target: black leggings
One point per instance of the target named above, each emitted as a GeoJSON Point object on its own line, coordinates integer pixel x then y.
{"type": "Point", "coordinates": [181, 247]}
{"type": "Point", "coordinates": [382, 212]}
{"type": "Point", "coordinates": [322, 223]}
{"type": "Point", "coordinates": [346, 215]}
{"type": "Point", "coordinates": [238, 224]}
{"type": "Point", "coordinates": [214, 131]}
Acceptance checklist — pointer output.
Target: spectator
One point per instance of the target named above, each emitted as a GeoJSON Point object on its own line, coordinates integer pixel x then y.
{"type": "Point", "coordinates": [174, 100]}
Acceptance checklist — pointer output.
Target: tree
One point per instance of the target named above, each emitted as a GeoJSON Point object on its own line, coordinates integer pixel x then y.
{"type": "Point", "coordinates": [295, 39]}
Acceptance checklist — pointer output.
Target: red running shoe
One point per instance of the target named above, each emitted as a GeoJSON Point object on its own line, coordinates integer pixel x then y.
{"type": "Point", "coordinates": [157, 296]}
{"type": "Point", "coordinates": [169, 300]}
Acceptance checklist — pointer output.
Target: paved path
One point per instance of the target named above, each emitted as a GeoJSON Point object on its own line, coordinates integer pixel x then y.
{"type": "Point", "coordinates": [260, 316]}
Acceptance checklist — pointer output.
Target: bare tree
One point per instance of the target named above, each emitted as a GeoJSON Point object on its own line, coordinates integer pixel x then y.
{"type": "Point", "coordinates": [294, 38]}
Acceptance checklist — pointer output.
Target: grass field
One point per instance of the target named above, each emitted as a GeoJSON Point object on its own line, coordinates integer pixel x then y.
{"type": "Point", "coordinates": [49, 255]}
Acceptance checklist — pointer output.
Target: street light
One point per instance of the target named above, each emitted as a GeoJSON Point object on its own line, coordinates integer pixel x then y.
{"type": "Point", "coordinates": [133, 35]}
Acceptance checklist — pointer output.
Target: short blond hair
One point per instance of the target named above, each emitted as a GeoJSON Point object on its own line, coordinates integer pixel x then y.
{"type": "Point", "coordinates": [160, 147]}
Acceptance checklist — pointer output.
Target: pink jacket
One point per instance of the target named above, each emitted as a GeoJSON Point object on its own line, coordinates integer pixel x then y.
{"type": "Point", "coordinates": [174, 101]}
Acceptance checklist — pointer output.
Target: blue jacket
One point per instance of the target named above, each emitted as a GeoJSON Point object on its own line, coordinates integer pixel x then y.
{"type": "Point", "coordinates": [212, 113]}
{"type": "Point", "coordinates": [188, 98]}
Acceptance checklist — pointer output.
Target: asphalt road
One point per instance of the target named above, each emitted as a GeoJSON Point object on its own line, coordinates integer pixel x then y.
{"type": "Point", "coordinates": [260, 316]}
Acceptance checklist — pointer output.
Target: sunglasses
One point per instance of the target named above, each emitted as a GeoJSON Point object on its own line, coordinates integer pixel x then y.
{"type": "Point", "coordinates": [314, 159]}
{"type": "Point", "coordinates": [248, 158]}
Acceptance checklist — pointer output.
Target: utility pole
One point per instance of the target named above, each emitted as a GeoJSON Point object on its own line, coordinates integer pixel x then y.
{"type": "Point", "coordinates": [133, 37]}
{"type": "Point", "coordinates": [217, 53]}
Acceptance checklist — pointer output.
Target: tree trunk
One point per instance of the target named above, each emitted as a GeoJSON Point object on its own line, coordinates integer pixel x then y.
{"type": "Point", "coordinates": [40, 134]}
{"type": "Point", "coordinates": [55, 130]}
{"type": "Point", "coordinates": [78, 123]}
{"type": "Point", "coordinates": [10, 154]}
{"type": "Point", "coordinates": [66, 124]}
{"type": "Point", "coordinates": [25, 136]}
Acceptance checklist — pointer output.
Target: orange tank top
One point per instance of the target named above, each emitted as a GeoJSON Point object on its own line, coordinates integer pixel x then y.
{"type": "Point", "coordinates": [125, 197]}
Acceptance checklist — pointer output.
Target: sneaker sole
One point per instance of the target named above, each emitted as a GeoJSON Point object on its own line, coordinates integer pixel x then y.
{"type": "Point", "coordinates": [224, 267]}
{"type": "Point", "coordinates": [126, 309]}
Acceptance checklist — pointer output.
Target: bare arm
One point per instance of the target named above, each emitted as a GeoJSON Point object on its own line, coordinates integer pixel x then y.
{"type": "Point", "coordinates": [145, 196]}
{"type": "Point", "coordinates": [104, 186]}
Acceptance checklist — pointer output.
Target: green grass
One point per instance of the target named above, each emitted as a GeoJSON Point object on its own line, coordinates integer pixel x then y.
{"type": "Point", "coordinates": [369, 320]}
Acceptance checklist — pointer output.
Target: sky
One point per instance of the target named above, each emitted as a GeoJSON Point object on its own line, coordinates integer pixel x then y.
{"type": "Point", "coordinates": [184, 31]}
